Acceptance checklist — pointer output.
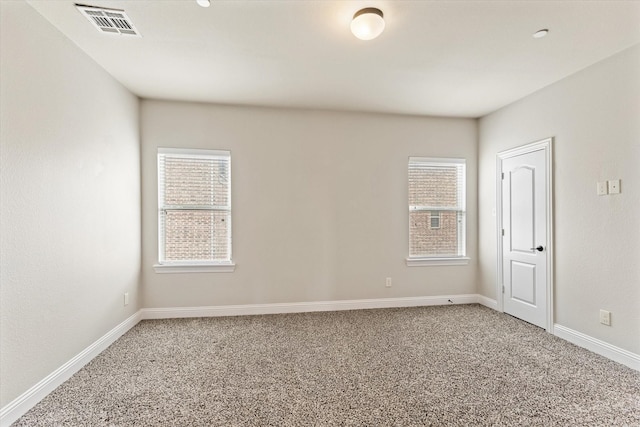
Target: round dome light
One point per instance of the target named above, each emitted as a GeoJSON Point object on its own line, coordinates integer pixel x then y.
{"type": "Point", "coordinates": [367, 23]}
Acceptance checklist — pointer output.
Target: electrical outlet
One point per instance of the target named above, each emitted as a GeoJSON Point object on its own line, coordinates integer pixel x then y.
{"type": "Point", "coordinates": [605, 317]}
{"type": "Point", "coordinates": [614, 186]}
{"type": "Point", "coordinates": [126, 298]}
{"type": "Point", "coordinates": [602, 188]}
{"type": "Point", "coordinates": [388, 282]}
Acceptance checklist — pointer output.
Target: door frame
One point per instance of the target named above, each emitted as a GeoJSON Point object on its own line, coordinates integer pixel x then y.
{"type": "Point", "coordinates": [546, 145]}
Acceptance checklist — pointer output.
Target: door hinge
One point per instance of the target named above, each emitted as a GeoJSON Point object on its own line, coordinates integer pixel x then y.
{"type": "Point", "coordinates": [503, 289]}
{"type": "Point", "coordinates": [502, 175]}
{"type": "Point", "coordinates": [503, 231]}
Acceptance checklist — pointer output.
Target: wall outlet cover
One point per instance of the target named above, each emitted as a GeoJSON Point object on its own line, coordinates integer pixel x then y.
{"type": "Point", "coordinates": [602, 188]}
{"type": "Point", "coordinates": [605, 317]}
{"type": "Point", "coordinates": [614, 186]}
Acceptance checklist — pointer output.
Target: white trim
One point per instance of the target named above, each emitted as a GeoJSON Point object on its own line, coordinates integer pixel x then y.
{"type": "Point", "coordinates": [304, 307]}
{"type": "Point", "coordinates": [488, 302]}
{"type": "Point", "coordinates": [23, 403]}
{"type": "Point", "coordinates": [546, 145]}
{"type": "Point", "coordinates": [27, 400]}
{"type": "Point", "coordinates": [597, 346]}
{"type": "Point", "coordinates": [194, 268]}
{"type": "Point", "coordinates": [436, 161]}
{"type": "Point", "coordinates": [423, 262]}
{"type": "Point", "coordinates": [194, 152]}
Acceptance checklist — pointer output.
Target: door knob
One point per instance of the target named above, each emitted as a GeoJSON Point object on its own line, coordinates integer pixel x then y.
{"type": "Point", "coordinates": [539, 248]}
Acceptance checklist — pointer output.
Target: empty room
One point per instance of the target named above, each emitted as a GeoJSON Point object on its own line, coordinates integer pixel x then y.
{"type": "Point", "coordinates": [318, 213]}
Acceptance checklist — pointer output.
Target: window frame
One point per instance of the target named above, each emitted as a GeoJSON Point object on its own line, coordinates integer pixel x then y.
{"type": "Point", "coordinates": [191, 266]}
{"type": "Point", "coordinates": [461, 258]}
{"type": "Point", "coordinates": [437, 215]}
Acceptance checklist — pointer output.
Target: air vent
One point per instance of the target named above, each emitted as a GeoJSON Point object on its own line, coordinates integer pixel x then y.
{"type": "Point", "coordinates": [110, 21]}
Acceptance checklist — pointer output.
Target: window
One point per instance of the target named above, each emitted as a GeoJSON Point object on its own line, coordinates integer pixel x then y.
{"type": "Point", "coordinates": [194, 210]}
{"type": "Point", "coordinates": [435, 220]}
{"type": "Point", "coordinates": [436, 211]}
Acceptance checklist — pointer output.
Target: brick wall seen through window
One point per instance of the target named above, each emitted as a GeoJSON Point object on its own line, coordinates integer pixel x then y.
{"type": "Point", "coordinates": [194, 206]}
{"type": "Point", "coordinates": [436, 207]}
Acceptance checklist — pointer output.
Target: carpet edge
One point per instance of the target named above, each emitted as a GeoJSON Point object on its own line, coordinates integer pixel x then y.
{"type": "Point", "coordinates": [27, 400]}
{"type": "Point", "coordinates": [597, 346]}
{"type": "Point", "coordinates": [305, 307]}
{"type": "Point", "coordinates": [21, 405]}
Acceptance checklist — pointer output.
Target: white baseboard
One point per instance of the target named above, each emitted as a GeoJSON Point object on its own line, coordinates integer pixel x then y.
{"type": "Point", "coordinates": [35, 394]}
{"type": "Point", "coordinates": [27, 400]}
{"type": "Point", "coordinates": [488, 302]}
{"type": "Point", "coordinates": [602, 348]}
{"type": "Point", "coordinates": [303, 307]}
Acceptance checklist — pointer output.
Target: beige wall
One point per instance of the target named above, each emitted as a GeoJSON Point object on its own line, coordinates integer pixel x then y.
{"type": "Point", "coordinates": [319, 201]}
{"type": "Point", "coordinates": [70, 200]}
{"type": "Point", "coordinates": [594, 116]}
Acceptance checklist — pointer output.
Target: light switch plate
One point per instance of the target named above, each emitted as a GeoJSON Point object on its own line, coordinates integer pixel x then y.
{"type": "Point", "coordinates": [602, 188]}
{"type": "Point", "coordinates": [614, 186]}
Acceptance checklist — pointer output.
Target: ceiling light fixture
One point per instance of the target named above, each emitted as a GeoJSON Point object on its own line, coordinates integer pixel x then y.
{"type": "Point", "coordinates": [204, 3]}
{"type": "Point", "coordinates": [367, 23]}
{"type": "Point", "coordinates": [540, 33]}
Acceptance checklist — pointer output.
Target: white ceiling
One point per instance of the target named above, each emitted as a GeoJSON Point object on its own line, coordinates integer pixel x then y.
{"type": "Point", "coordinates": [443, 58]}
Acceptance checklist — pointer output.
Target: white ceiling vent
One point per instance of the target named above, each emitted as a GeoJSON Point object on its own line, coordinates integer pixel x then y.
{"type": "Point", "coordinates": [110, 21]}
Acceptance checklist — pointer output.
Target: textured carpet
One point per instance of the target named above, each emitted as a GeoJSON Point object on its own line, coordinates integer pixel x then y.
{"type": "Point", "coordinates": [453, 365]}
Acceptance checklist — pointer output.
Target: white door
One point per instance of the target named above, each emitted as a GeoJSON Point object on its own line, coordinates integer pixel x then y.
{"type": "Point", "coordinates": [524, 242]}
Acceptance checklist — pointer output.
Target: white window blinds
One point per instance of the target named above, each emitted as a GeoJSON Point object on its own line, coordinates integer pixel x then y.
{"type": "Point", "coordinates": [194, 206]}
{"type": "Point", "coordinates": [436, 207]}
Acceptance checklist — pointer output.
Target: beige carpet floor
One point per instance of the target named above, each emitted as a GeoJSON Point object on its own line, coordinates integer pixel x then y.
{"type": "Point", "coordinates": [428, 366]}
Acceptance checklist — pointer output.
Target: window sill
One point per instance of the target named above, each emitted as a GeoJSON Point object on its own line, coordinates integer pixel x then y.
{"type": "Point", "coordinates": [423, 262]}
{"type": "Point", "coordinates": [195, 268]}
